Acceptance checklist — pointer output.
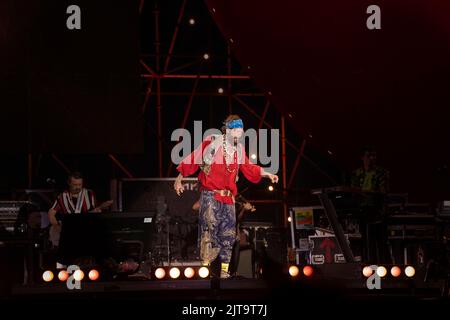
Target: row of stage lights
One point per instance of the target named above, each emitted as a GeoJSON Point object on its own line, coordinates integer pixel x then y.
{"type": "Point", "coordinates": [162, 273]}
{"type": "Point", "coordinates": [63, 275]}
{"type": "Point", "coordinates": [395, 271]}
{"type": "Point", "coordinates": [159, 274]}
{"type": "Point", "coordinates": [181, 273]}
{"type": "Point", "coordinates": [203, 273]}
{"type": "Point", "coordinates": [294, 271]}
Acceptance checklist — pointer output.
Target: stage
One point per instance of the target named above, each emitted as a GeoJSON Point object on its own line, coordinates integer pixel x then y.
{"type": "Point", "coordinates": [337, 282]}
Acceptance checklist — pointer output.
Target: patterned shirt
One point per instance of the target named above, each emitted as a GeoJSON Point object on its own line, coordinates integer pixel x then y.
{"type": "Point", "coordinates": [375, 180]}
{"type": "Point", "coordinates": [66, 204]}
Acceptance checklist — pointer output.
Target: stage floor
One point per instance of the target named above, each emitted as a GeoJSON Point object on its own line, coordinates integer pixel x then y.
{"type": "Point", "coordinates": [232, 298]}
{"type": "Point", "coordinates": [235, 289]}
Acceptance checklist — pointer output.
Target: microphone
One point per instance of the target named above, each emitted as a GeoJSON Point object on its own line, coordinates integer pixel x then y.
{"type": "Point", "coordinates": [50, 181]}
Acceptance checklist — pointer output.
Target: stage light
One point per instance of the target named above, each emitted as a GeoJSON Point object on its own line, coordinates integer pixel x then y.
{"type": "Point", "coordinates": [93, 275]}
{"type": "Point", "coordinates": [367, 271]}
{"type": "Point", "coordinates": [220, 90]}
{"type": "Point", "coordinates": [191, 21]}
{"type": "Point", "coordinates": [206, 56]}
{"type": "Point", "coordinates": [308, 271]}
{"type": "Point", "coordinates": [203, 272]}
{"type": "Point", "coordinates": [174, 273]}
{"type": "Point", "coordinates": [293, 271]}
{"type": "Point", "coordinates": [78, 275]}
{"type": "Point", "coordinates": [160, 273]}
{"type": "Point", "coordinates": [253, 156]}
{"type": "Point", "coordinates": [289, 219]}
{"type": "Point", "coordinates": [270, 188]}
{"type": "Point", "coordinates": [410, 271]}
{"type": "Point", "coordinates": [63, 275]}
{"type": "Point", "coordinates": [395, 271]}
{"type": "Point", "coordinates": [189, 272]}
{"type": "Point", "coordinates": [381, 271]}
{"type": "Point", "coordinates": [47, 276]}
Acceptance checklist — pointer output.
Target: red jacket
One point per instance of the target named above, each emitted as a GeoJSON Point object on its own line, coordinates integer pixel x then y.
{"type": "Point", "coordinates": [219, 178]}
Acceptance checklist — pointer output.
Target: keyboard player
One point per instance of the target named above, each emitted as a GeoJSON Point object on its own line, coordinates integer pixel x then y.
{"type": "Point", "coordinates": [373, 181]}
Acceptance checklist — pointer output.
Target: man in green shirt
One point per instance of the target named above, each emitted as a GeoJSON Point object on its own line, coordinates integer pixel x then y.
{"type": "Point", "coordinates": [370, 177]}
{"type": "Point", "coordinates": [373, 181]}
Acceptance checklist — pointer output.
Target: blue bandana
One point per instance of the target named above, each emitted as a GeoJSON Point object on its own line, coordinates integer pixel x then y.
{"type": "Point", "coordinates": [235, 124]}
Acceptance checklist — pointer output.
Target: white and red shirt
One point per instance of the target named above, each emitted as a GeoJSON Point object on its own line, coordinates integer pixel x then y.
{"type": "Point", "coordinates": [66, 204]}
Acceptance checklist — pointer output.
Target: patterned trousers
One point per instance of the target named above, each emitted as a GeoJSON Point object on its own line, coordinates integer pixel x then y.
{"type": "Point", "coordinates": [217, 228]}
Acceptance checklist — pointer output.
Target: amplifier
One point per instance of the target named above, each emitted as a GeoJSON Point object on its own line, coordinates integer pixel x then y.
{"type": "Point", "coordinates": [9, 213]}
{"type": "Point", "coordinates": [411, 232]}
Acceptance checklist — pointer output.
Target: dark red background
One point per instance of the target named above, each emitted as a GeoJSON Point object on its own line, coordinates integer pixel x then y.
{"type": "Point", "coordinates": [348, 86]}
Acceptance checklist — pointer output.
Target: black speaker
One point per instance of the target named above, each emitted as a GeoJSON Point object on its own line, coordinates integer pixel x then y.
{"type": "Point", "coordinates": [276, 245]}
{"type": "Point", "coordinates": [245, 268]}
{"type": "Point", "coordinates": [11, 268]}
{"type": "Point", "coordinates": [271, 252]}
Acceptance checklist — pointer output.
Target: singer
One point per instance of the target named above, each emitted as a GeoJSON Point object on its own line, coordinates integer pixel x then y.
{"type": "Point", "coordinates": [220, 158]}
